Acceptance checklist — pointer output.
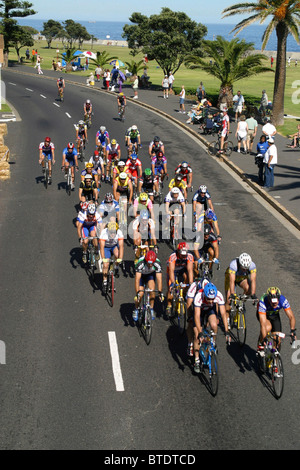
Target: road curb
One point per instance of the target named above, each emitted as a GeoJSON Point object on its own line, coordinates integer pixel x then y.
{"type": "Point", "coordinates": [276, 205]}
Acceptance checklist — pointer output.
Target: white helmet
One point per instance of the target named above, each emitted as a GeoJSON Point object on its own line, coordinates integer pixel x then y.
{"type": "Point", "coordinates": [175, 190]}
{"type": "Point", "coordinates": [202, 188]}
{"type": "Point", "coordinates": [123, 175]}
{"type": "Point", "coordinates": [245, 260]}
{"type": "Point", "coordinates": [91, 208]}
{"type": "Point", "coordinates": [134, 127]}
{"type": "Point", "coordinates": [102, 128]}
{"type": "Point", "coordinates": [81, 123]}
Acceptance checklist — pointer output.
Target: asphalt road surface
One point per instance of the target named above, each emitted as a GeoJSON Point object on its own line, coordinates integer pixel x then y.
{"type": "Point", "coordinates": [59, 386]}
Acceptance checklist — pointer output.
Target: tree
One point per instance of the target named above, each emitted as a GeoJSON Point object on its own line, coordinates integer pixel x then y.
{"type": "Point", "coordinates": [102, 59]}
{"type": "Point", "coordinates": [22, 37]}
{"type": "Point", "coordinates": [285, 16]}
{"type": "Point", "coordinates": [134, 67]}
{"type": "Point", "coordinates": [68, 57]}
{"type": "Point", "coordinates": [167, 37]}
{"type": "Point", "coordinates": [232, 61]}
{"type": "Point", "coordinates": [75, 32]}
{"type": "Point", "coordinates": [51, 30]}
{"type": "Point", "coordinates": [10, 9]}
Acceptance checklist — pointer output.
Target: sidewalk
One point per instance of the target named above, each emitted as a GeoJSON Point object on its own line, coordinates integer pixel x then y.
{"type": "Point", "coordinates": [285, 195]}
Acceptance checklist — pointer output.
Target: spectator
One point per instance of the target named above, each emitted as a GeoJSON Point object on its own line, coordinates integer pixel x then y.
{"type": "Point", "coordinates": [252, 130]}
{"type": "Point", "coordinates": [261, 149]}
{"type": "Point", "coordinates": [98, 72]}
{"type": "Point", "coordinates": [268, 129]}
{"type": "Point", "coordinates": [59, 66]}
{"type": "Point", "coordinates": [272, 61]}
{"type": "Point", "coordinates": [264, 101]}
{"type": "Point", "coordinates": [27, 54]}
{"type": "Point", "coordinates": [135, 86]}
{"type": "Point", "coordinates": [90, 80]}
{"type": "Point", "coordinates": [54, 65]}
{"type": "Point", "coordinates": [200, 92]}
{"type": "Point", "coordinates": [165, 86]}
{"type": "Point", "coordinates": [107, 78]}
{"type": "Point", "coordinates": [270, 160]}
{"type": "Point", "coordinates": [171, 81]}
{"type": "Point", "coordinates": [181, 100]}
{"type": "Point", "coordinates": [238, 104]}
{"type": "Point", "coordinates": [295, 137]}
{"type": "Point", "coordinates": [223, 103]}
{"type": "Point", "coordinates": [241, 133]}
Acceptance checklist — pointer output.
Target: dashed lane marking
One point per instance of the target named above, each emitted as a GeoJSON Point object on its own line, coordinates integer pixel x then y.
{"type": "Point", "coordinates": [115, 361]}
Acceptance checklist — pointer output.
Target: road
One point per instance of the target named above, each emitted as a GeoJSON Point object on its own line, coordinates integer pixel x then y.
{"type": "Point", "coordinates": [57, 388]}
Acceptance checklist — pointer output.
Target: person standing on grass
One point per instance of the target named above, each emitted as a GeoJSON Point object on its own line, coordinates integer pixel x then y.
{"type": "Point", "coordinates": [165, 86]}
{"type": "Point", "coordinates": [238, 104]}
{"type": "Point", "coordinates": [181, 100]}
{"type": "Point", "coordinates": [171, 81]}
{"type": "Point", "coordinates": [135, 86]}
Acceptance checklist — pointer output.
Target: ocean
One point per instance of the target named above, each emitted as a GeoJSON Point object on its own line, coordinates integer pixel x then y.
{"type": "Point", "coordinates": [114, 29]}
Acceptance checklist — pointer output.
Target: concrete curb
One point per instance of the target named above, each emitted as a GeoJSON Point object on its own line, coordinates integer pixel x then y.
{"type": "Point", "coordinates": [276, 205]}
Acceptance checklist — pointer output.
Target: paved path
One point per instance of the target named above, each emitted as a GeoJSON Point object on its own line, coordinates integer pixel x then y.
{"type": "Point", "coordinates": [285, 195]}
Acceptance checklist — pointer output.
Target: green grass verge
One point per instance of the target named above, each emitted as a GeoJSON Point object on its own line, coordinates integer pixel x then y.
{"type": "Point", "coordinates": [251, 87]}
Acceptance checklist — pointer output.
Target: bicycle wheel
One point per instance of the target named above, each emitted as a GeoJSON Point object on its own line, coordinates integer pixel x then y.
{"type": "Point", "coordinates": [213, 147]}
{"type": "Point", "coordinates": [147, 325]}
{"type": "Point", "coordinates": [110, 292]}
{"type": "Point", "coordinates": [228, 148]}
{"type": "Point", "coordinates": [213, 372]}
{"type": "Point", "coordinates": [69, 182]}
{"type": "Point", "coordinates": [181, 318]}
{"type": "Point", "coordinates": [277, 375]}
{"type": "Point", "coordinates": [241, 328]}
{"type": "Point", "coordinates": [46, 176]}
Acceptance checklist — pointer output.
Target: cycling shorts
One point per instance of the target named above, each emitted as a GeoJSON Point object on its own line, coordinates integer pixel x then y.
{"type": "Point", "coordinates": [86, 230]}
{"type": "Point", "coordinates": [109, 251]}
{"type": "Point", "coordinates": [158, 169]}
{"type": "Point", "coordinates": [204, 314]}
{"type": "Point", "coordinates": [274, 320]}
{"type": "Point", "coordinates": [147, 277]}
{"type": "Point", "coordinates": [71, 161]}
{"type": "Point", "coordinates": [47, 155]}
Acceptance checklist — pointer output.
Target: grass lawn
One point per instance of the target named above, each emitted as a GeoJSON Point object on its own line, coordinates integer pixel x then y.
{"type": "Point", "coordinates": [251, 87]}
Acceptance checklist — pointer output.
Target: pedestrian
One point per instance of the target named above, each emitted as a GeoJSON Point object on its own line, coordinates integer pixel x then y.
{"type": "Point", "coordinates": [238, 104]}
{"type": "Point", "coordinates": [296, 62]}
{"type": "Point", "coordinates": [27, 54]}
{"type": "Point", "coordinates": [252, 131]}
{"type": "Point", "coordinates": [135, 86]}
{"type": "Point", "coordinates": [107, 78]}
{"type": "Point", "coordinates": [241, 133]}
{"type": "Point", "coordinates": [269, 130]}
{"type": "Point", "coordinates": [272, 61]}
{"type": "Point", "coordinates": [165, 86]}
{"type": "Point", "coordinates": [171, 81]}
{"type": "Point", "coordinates": [200, 92]}
{"type": "Point", "coordinates": [261, 149]}
{"type": "Point", "coordinates": [289, 62]}
{"type": "Point", "coordinates": [98, 73]}
{"type": "Point", "coordinates": [38, 64]}
{"type": "Point", "coordinates": [181, 100]}
{"type": "Point", "coordinates": [90, 80]}
{"type": "Point", "coordinates": [264, 101]}
{"type": "Point", "coordinates": [270, 160]}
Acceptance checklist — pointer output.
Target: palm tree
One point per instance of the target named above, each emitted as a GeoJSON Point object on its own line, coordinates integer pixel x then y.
{"type": "Point", "coordinates": [135, 67]}
{"type": "Point", "coordinates": [102, 59]}
{"type": "Point", "coordinates": [68, 57]}
{"type": "Point", "coordinates": [285, 20]}
{"type": "Point", "coordinates": [231, 61]}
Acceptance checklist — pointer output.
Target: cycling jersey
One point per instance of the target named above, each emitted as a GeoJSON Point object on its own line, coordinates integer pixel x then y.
{"type": "Point", "coordinates": [102, 137]}
{"type": "Point", "coordinates": [132, 165]}
{"type": "Point", "coordinates": [47, 150]}
{"type": "Point", "coordinates": [122, 188]}
{"type": "Point", "coordinates": [93, 174]}
{"type": "Point", "coordinates": [132, 134]}
{"type": "Point", "coordinates": [143, 268]}
{"type": "Point", "coordinates": [181, 185]}
{"type": "Point", "coordinates": [87, 191]}
{"type": "Point", "coordinates": [117, 170]}
{"type": "Point", "coordinates": [158, 164]}
{"type": "Point", "coordinates": [68, 155]}
{"type": "Point", "coordinates": [137, 224]}
{"type": "Point", "coordinates": [200, 300]}
{"type": "Point", "coordinates": [235, 268]}
{"type": "Point", "coordinates": [202, 199]}
{"type": "Point", "coordinates": [180, 263]}
{"type": "Point", "coordinates": [112, 151]}
{"type": "Point", "coordinates": [183, 171]}
{"type": "Point", "coordinates": [60, 83]}
{"type": "Point", "coordinates": [111, 241]}
{"type": "Point", "coordinates": [137, 204]}
{"type": "Point", "coordinates": [147, 184]}
{"type": "Point", "coordinates": [107, 208]}
{"type": "Point", "coordinates": [97, 164]}
{"type": "Point", "coordinates": [81, 130]}
{"type": "Point", "coordinates": [266, 307]}
{"type": "Point", "coordinates": [155, 148]}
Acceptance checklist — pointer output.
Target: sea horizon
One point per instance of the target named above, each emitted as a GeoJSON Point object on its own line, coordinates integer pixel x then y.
{"type": "Point", "coordinates": [113, 30]}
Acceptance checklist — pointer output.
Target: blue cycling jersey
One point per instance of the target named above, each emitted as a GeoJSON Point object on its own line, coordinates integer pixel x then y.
{"type": "Point", "coordinates": [70, 155]}
{"type": "Point", "coordinates": [265, 305]}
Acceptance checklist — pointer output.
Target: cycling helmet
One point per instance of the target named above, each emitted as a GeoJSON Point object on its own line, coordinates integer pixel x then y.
{"type": "Point", "coordinates": [88, 101]}
{"type": "Point", "coordinates": [245, 260]}
{"type": "Point", "coordinates": [210, 291]}
{"type": "Point", "coordinates": [156, 139]}
{"type": "Point", "coordinates": [102, 128]}
{"type": "Point", "coordinates": [113, 142]}
{"type": "Point", "coordinates": [273, 294]}
{"type": "Point", "coordinates": [121, 163]}
{"type": "Point", "coordinates": [88, 177]}
{"type": "Point", "coordinates": [150, 257]}
{"type": "Point", "coordinates": [70, 146]}
{"type": "Point", "coordinates": [108, 197]}
{"type": "Point", "coordinates": [144, 215]}
{"type": "Point", "coordinates": [121, 94]}
{"type": "Point", "coordinates": [148, 172]}
{"type": "Point", "coordinates": [112, 227]}
{"type": "Point", "coordinates": [47, 139]}
{"type": "Point", "coordinates": [89, 165]}
{"type": "Point", "coordinates": [123, 176]}
{"type": "Point", "coordinates": [81, 123]}
{"type": "Point", "coordinates": [207, 229]}
{"type": "Point", "coordinates": [91, 208]}
{"type": "Point", "coordinates": [143, 197]}
{"type": "Point", "coordinates": [133, 156]}
{"type": "Point", "coordinates": [84, 205]}
{"type": "Point", "coordinates": [175, 190]}
{"type": "Point", "coordinates": [202, 188]}
{"type": "Point", "coordinates": [96, 154]}
{"type": "Point", "coordinates": [134, 127]}
{"type": "Point", "coordinates": [184, 164]}
{"type": "Point", "coordinates": [182, 249]}
{"type": "Point", "coordinates": [160, 154]}
{"type": "Point", "coordinates": [178, 177]}
{"type": "Point", "coordinates": [209, 214]}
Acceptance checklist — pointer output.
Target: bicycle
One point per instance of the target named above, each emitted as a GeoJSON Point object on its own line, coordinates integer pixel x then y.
{"type": "Point", "coordinates": [159, 194]}
{"type": "Point", "coordinates": [122, 113]}
{"type": "Point", "coordinates": [123, 214]}
{"type": "Point", "coordinates": [91, 257]}
{"type": "Point", "coordinates": [81, 150]}
{"type": "Point", "coordinates": [209, 360]}
{"type": "Point", "coordinates": [215, 146]}
{"type": "Point", "coordinates": [88, 120]}
{"type": "Point", "coordinates": [270, 362]}
{"type": "Point", "coordinates": [174, 230]}
{"type": "Point", "coordinates": [46, 174]}
{"type": "Point", "coordinates": [237, 318]}
{"type": "Point", "coordinates": [69, 181]}
{"type": "Point", "coordinates": [61, 93]}
{"type": "Point", "coordinates": [205, 269]}
{"type": "Point", "coordinates": [144, 316]}
{"type": "Point", "coordinates": [110, 289]}
{"type": "Point", "coordinates": [178, 308]}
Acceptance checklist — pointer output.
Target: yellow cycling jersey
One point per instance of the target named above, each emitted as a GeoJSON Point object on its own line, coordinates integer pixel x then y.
{"type": "Point", "coordinates": [122, 187]}
{"type": "Point", "coordinates": [181, 185]}
{"type": "Point", "coordinates": [117, 171]}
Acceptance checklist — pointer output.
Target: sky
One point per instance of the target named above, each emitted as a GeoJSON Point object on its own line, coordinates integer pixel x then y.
{"type": "Point", "coordinates": [202, 11]}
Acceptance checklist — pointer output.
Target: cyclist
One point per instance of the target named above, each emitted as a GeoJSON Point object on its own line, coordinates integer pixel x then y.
{"type": "Point", "coordinates": [180, 266]}
{"type": "Point", "coordinates": [60, 83]}
{"type": "Point", "coordinates": [121, 99]}
{"type": "Point", "coordinates": [119, 168]}
{"type": "Point", "coordinates": [268, 310]}
{"type": "Point", "coordinates": [177, 182]}
{"type": "Point", "coordinates": [133, 137]}
{"type": "Point", "coordinates": [122, 186]}
{"type": "Point", "coordinates": [87, 227]}
{"type": "Point", "coordinates": [102, 140]}
{"type": "Point", "coordinates": [46, 149]}
{"type": "Point", "coordinates": [209, 248]}
{"type": "Point", "coordinates": [134, 170]}
{"type": "Point", "coordinates": [185, 170]}
{"type": "Point", "coordinates": [89, 170]}
{"type": "Point", "coordinates": [147, 183]}
{"type": "Point", "coordinates": [87, 110]}
{"type": "Point", "coordinates": [159, 167]}
{"type": "Point", "coordinates": [81, 134]}
{"type": "Point", "coordinates": [201, 201]}
{"type": "Point", "coordinates": [113, 155]}
{"type": "Point", "coordinates": [111, 244]}
{"type": "Point", "coordinates": [108, 209]}
{"type": "Point", "coordinates": [155, 146]}
{"type": "Point", "coordinates": [143, 202]}
{"type": "Point", "coordinates": [88, 189]}
{"type": "Point", "coordinates": [208, 303]}
{"type": "Point", "coordinates": [174, 197]}
{"type": "Point", "coordinates": [148, 270]}
{"type": "Point", "coordinates": [69, 159]}
{"type": "Point", "coordinates": [211, 219]}
{"type": "Point", "coordinates": [143, 229]}
{"type": "Point", "coordinates": [98, 166]}
{"type": "Point", "coordinates": [241, 272]}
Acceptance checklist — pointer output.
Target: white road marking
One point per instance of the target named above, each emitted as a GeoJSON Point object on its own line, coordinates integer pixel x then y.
{"type": "Point", "coordinates": [55, 104]}
{"type": "Point", "coordinates": [43, 96]}
{"type": "Point", "coordinates": [11, 83]}
{"type": "Point", "coordinates": [29, 89]}
{"type": "Point", "coordinates": [68, 115]}
{"type": "Point", "coordinates": [115, 361]}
